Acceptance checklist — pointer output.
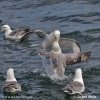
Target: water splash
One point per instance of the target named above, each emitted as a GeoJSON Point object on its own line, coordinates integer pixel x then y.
{"type": "Point", "coordinates": [49, 71]}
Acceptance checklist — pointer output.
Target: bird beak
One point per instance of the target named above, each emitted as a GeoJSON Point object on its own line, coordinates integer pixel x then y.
{"type": "Point", "coordinates": [55, 37]}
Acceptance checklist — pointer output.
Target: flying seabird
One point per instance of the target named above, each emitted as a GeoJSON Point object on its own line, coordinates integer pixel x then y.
{"type": "Point", "coordinates": [65, 43]}
{"type": "Point", "coordinates": [59, 60]}
{"type": "Point", "coordinates": [11, 85]}
{"type": "Point", "coordinates": [16, 35]}
{"type": "Point", "coordinates": [77, 85]}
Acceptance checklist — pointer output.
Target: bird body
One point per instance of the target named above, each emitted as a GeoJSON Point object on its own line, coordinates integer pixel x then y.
{"type": "Point", "coordinates": [77, 85]}
{"type": "Point", "coordinates": [11, 84]}
{"type": "Point", "coordinates": [60, 60]}
{"type": "Point", "coordinates": [16, 35]}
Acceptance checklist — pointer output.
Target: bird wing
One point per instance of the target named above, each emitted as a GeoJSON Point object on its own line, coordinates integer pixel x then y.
{"type": "Point", "coordinates": [9, 85]}
{"type": "Point", "coordinates": [71, 44]}
{"type": "Point", "coordinates": [75, 87]}
{"type": "Point", "coordinates": [13, 33]}
{"type": "Point", "coordinates": [20, 32]}
{"type": "Point", "coordinates": [67, 58]}
{"type": "Point", "coordinates": [41, 33]}
{"type": "Point", "coordinates": [65, 43]}
{"type": "Point", "coordinates": [77, 57]}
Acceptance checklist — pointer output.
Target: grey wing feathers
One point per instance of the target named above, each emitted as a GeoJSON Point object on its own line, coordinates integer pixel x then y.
{"type": "Point", "coordinates": [69, 43]}
{"type": "Point", "coordinates": [48, 54]}
{"type": "Point", "coordinates": [74, 87]}
{"type": "Point", "coordinates": [85, 56]}
{"type": "Point", "coordinates": [8, 86]}
{"type": "Point", "coordinates": [68, 58]}
{"type": "Point", "coordinates": [21, 32]}
{"type": "Point", "coordinates": [77, 57]}
{"type": "Point", "coordinates": [40, 33]}
{"type": "Point", "coordinates": [24, 31]}
{"type": "Point", "coordinates": [13, 33]}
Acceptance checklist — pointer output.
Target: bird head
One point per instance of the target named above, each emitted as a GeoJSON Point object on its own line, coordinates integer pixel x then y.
{"type": "Point", "coordinates": [5, 28]}
{"type": "Point", "coordinates": [10, 75]}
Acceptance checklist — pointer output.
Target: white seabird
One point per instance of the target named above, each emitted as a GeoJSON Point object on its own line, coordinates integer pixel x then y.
{"type": "Point", "coordinates": [69, 58]}
{"type": "Point", "coordinates": [65, 43]}
{"type": "Point", "coordinates": [58, 68]}
{"type": "Point", "coordinates": [11, 84]}
{"type": "Point", "coordinates": [77, 85]}
{"type": "Point", "coordinates": [59, 60]}
{"type": "Point", "coordinates": [16, 35]}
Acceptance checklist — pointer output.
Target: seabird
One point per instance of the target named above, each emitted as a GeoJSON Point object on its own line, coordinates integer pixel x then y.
{"type": "Point", "coordinates": [65, 43]}
{"type": "Point", "coordinates": [69, 58]}
{"type": "Point", "coordinates": [16, 35]}
{"type": "Point", "coordinates": [11, 85]}
{"type": "Point", "coordinates": [59, 60]}
{"type": "Point", "coordinates": [77, 85]}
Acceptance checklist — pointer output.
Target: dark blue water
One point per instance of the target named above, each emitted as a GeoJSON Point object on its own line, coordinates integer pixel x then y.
{"type": "Point", "coordinates": [77, 19]}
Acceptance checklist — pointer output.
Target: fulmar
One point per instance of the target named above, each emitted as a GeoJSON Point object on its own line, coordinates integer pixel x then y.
{"type": "Point", "coordinates": [16, 35]}
{"type": "Point", "coordinates": [11, 85]}
{"type": "Point", "coordinates": [77, 85]}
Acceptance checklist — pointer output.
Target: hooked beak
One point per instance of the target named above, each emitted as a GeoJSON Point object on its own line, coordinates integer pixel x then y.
{"type": "Point", "coordinates": [55, 37]}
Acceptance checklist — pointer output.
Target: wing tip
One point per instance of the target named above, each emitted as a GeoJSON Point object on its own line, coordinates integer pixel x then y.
{"type": "Point", "coordinates": [40, 33]}
{"type": "Point", "coordinates": [85, 56]}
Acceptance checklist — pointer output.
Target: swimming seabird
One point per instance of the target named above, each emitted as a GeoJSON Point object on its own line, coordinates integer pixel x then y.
{"type": "Point", "coordinates": [59, 60]}
{"type": "Point", "coordinates": [16, 35]}
{"type": "Point", "coordinates": [48, 40]}
{"type": "Point", "coordinates": [77, 85]}
{"type": "Point", "coordinates": [11, 84]}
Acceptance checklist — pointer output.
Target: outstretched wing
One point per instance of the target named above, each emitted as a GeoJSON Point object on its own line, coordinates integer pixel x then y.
{"type": "Point", "coordinates": [66, 44]}
{"type": "Point", "coordinates": [69, 45]}
{"type": "Point", "coordinates": [68, 58]}
{"type": "Point", "coordinates": [77, 57]}
{"type": "Point", "coordinates": [40, 33]}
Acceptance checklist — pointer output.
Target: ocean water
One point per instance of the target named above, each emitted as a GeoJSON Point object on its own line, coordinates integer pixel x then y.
{"type": "Point", "coordinates": [77, 19]}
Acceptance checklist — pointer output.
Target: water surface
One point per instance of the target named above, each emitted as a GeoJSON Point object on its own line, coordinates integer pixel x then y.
{"type": "Point", "coordinates": [77, 19]}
